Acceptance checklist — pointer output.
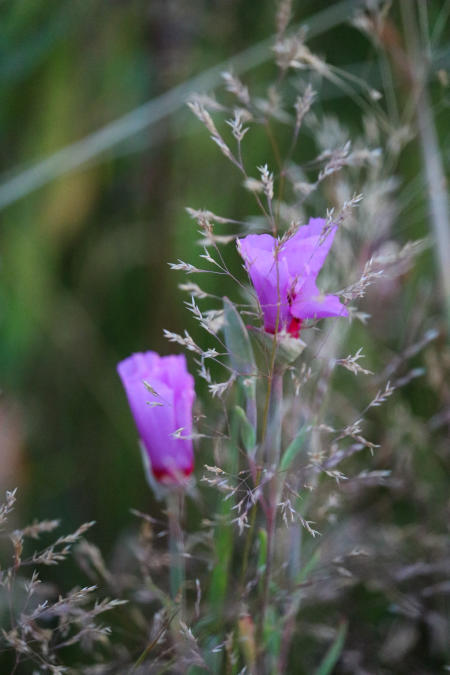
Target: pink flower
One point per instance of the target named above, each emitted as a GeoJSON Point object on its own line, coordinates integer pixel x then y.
{"type": "Point", "coordinates": [161, 408]}
{"type": "Point", "coordinates": [284, 276]}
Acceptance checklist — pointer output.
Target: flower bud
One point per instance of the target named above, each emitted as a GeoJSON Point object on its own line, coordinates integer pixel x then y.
{"type": "Point", "coordinates": [160, 393]}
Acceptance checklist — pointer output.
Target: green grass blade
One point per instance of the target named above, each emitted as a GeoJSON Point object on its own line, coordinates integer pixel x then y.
{"type": "Point", "coordinates": [293, 449]}
{"type": "Point", "coordinates": [334, 652]}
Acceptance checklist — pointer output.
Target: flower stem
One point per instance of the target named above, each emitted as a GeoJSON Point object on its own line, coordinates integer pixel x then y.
{"type": "Point", "coordinates": [272, 356]}
{"type": "Point", "coordinates": [272, 441]}
{"type": "Point", "coordinates": [249, 537]}
{"type": "Point", "coordinates": [175, 500]}
{"type": "Point", "coordinates": [272, 448]}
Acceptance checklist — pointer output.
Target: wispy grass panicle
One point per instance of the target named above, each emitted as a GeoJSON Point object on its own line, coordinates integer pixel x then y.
{"type": "Point", "coordinates": [42, 624]}
{"type": "Point", "coordinates": [311, 536]}
{"type": "Point", "coordinates": [286, 472]}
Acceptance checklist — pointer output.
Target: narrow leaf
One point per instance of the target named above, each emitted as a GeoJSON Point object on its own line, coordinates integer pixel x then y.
{"type": "Point", "coordinates": [293, 449]}
{"type": "Point", "coordinates": [241, 356]}
{"type": "Point", "coordinates": [308, 567]}
{"type": "Point", "coordinates": [237, 341]}
{"type": "Point", "coordinates": [248, 433]}
{"type": "Point", "coordinates": [223, 536]}
{"type": "Point", "coordinates": [331, 657]}
{"type": "Point", "coordinates": [262, 556]}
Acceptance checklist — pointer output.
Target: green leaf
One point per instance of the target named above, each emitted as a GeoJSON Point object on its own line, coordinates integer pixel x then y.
{"type": "Point", "coordinates": [242, 358]}
{"type": "Point", "coordinates": [288, 349]}
{"type": "Point", "coordinates": [237, 341]}
{"type": "Point", "coordinates": [248, 433]}
{"type": "Point", "coordinates": [223, 535]}
{"type": "Point", "coordinates": [331, 657]}
{"type": "Point", "coordinates": [308, 567]}
{"type": "Point", "coordinates": [223, 549]}
{"type": "Point", "coordinates": [262, 555]}
{"type": "Point", "coordinates": [272, 635]}
{"type": "Point", "coordinates": [293, 449]}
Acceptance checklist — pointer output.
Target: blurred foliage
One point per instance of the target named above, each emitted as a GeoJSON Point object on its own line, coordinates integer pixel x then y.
{"type": "Point", "coordinates": [84, 274]}
{"type": "Point", "coordinates": [84, 270]}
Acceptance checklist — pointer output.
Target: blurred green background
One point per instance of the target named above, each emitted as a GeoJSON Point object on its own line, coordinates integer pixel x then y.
{"type": "Point", "coordinates": [84, 274]}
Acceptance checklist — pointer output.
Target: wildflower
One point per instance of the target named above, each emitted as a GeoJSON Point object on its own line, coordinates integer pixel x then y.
{"type": "Point", "coordinates": [284, 276]}
{"type": "Point", "coordinates": [160, 392]}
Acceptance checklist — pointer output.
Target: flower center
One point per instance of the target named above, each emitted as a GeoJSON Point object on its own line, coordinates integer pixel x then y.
{"type": "Point", "coordinates": [169, 477]}
{"type": "Point", "coordinates": [295, 324]}
{"type": "Point", "coordinates": [294, 327]}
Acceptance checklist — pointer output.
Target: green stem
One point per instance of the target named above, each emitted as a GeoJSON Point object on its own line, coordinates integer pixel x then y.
{"type": "Point", "coordinates": [141, 658]}
{"type": "Point", "coordinates": [249, 537]}
{"type": "Point", "coordinates": [272, 448]}
{"type": "Point", "coordinates": [175, 499]}
{"type": "Point", "coordinates": [272, 443]}
{"type": "Point", "coordinates": [272, 356]}
{"type": "Point", "coordinates": [266, 416]}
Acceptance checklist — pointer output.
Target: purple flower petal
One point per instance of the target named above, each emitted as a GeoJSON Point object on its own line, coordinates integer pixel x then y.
{"type": "Point", "coordinates": [307, 250]}
{"type": "Point", "coordinates": [284, 275]}
{"type": "Point", "coordinates": [311, 304]}
{"type": "Point", "coordinates": [158, 415]}
{"type": "Point", "coordinates": [269, 275]}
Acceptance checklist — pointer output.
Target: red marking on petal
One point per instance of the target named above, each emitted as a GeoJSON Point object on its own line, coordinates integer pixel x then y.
{"type": "Point", "coordinates": [294, 327]}
{"type": "Point", "coordinates": [172, 476]}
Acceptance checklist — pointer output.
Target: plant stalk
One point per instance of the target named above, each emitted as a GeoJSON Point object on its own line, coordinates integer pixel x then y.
{"type": "Point", "coordinates": [434, 170]}
{"type": "Point", "coordinates": [272, 449]}
{"type": "Point", "coordinates": [175, 501]}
